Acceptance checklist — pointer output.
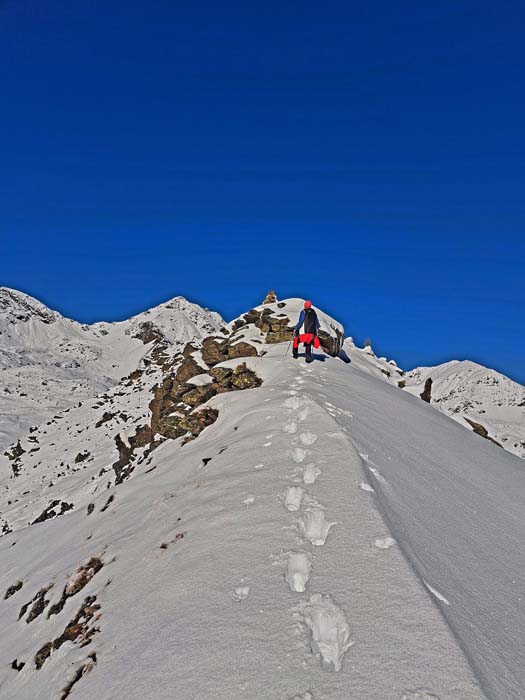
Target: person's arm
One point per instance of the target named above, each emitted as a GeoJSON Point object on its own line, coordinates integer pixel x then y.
{"type": "Point", "coordinates": [317, 323]}
{"type": "Point", "coordinates": [300, 322]}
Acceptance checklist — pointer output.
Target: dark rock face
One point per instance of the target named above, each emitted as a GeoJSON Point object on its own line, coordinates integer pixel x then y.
{"type": "Point", "coordinates": [172, 405]}
{"type": "Point", "coordinates": [332, 346]}
{"type": "Point", "coordinates": [15, 456]}
{"type": "Point", "coordinates": [79, 631]}
{"type": "Point", "coordinates": [211, 352]}
{"type": "Point", "coordinates": [243, 378]}
{"type": "Point", "coordinates": [188, 369]}
{"type": "Point", "coordinates": [106, 417]}
{"type": "Point", "coordinates": [39, 605]}
{"type": "Point", "coordinates": [241, 350]}
{"type": "Point", "coordinates": [275, 328]}
{"type": "Point", "coordinates": [148, 332]}
{"type": "Point", "coordinates": [199, 394]}
{"type": "Point", "coordinates": [270, 298]}
{"type": "Point", "coordinates": [52, 511]}
{"type": "Point", "coordinates": [13, 589]}
{"type": "Point", "coordinates": [80, 581]}
{"type": "Point", "coordinates": [427, 392]}
{"type": "Point", "coordinates": [482, 431]}
{"type": "Point", "coordinates": [214, 351]}
{"type": "Point", "coordinates": [123, 466]}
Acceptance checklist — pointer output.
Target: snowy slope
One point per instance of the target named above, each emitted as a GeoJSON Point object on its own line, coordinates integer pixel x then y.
{"type": "Point", "coordinates": [480, 399]}
{"type": "Point", "coordinates": [486, 397]}
{"type": "Point", "coordinates": [311, 543]}
{"type": "Point", "coordinates": [49, 363]}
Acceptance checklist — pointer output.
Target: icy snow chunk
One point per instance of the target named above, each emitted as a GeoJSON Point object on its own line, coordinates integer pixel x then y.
{"type": "Point", "coordinates": [240, 593]}
{"type": "Point", "coordinates": [384, 542]}
{"type": "Point", "coordinates": [364, 486]}
{"type": "Point", "coordinates": [329, 631]}
{"type": "Point", "coordinates": [298, 571]}
{"type": "Point", "coordinates": [200, 380]}
{"type": "Point", "coordinates": [314, 525]}
{"type": "Point", "coordinates": [290, 427]}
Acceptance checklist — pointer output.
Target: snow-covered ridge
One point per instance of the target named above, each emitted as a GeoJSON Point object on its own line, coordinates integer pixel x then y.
{"type": "Point", "coordinates": [256, 541]}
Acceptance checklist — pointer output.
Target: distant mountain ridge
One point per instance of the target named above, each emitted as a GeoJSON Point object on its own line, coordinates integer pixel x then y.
{"type": "Point", "coordinates": [49, 362]}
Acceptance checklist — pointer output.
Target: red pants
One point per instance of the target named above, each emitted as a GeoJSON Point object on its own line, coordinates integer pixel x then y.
{"type": "Point", "coordinates": [307, 339]}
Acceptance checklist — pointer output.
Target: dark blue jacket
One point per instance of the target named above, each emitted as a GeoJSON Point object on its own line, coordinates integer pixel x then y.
{"type": "Point", "coordinates": [310, 320]}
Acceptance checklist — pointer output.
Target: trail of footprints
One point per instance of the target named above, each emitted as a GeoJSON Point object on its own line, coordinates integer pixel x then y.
{"type": "Point", "coordinates": [328, 631]}
{"type": "Point", "coordinates": [319, 616]}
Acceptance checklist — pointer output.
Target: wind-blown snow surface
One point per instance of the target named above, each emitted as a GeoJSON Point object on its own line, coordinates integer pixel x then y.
{"type": "Point", "coordinates": [310, 545]}
{"type": "Point", "coordinates": [468, 390]}
{"type": "Point", "coordinates": [49, 363]}
{"type": "Point", "coordinates": [463, 390]}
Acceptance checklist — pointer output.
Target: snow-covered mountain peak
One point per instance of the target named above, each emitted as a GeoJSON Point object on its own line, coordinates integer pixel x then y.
{"type": "Point", "coordinates": [479, 398]}
{"type": "Point", "coordinates": [176, 319]}
{"type": "Point", "coordinates": [17, 307]}
{"type": "Point", "coordinates": [49, 362]}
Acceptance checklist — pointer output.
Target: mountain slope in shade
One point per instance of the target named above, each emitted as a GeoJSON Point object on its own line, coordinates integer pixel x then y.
{"type": "Point", "coordinates": [478, 398]}
{"type": "Point", "coordinates": [48, 362]}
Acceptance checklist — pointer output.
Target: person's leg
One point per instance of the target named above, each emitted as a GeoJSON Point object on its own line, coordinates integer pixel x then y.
{"type": "Point", "coordinates": [308, 348]}
{"type": "Point", "coordinates": [295, 350]}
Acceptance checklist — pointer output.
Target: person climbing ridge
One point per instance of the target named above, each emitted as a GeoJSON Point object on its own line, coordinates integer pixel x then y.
{"type": "Point", "coordinates": [309, 319]}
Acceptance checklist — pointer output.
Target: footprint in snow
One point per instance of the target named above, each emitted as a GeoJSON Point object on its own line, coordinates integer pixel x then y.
{"type": "Point", "coordinates": [303, 414]}
{"type": "Point", "coordinates": [304, 696]}
{"type": "Point", "coordinates": [293, 497]}
{"type": "Point", "coordinates": [290, 427]}
{"type": "Point", "coordinates": [329, 630]}
{"type": "Point", "coordinates": [310, 473]}
{"type": "Point", "coordinates": [293, 403]}
{"type": "Point", "coordinates": [384, 542]}
{"type": "Point", "coordinates": [240, 593]}
{"type": "Point", "coordinates": [298, 454]}
{"type": "Point", "coordinates": [307, 438]}
{"type": "Point", "coordinates": [298, 571]}
{"type": "Point", "coordinates": [314, 526]}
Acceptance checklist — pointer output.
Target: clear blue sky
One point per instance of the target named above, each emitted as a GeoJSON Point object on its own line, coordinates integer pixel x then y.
{"type": "Point", "coordinates": [369, 156]}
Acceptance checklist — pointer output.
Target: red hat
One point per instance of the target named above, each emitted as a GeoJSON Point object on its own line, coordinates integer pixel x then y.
{"type": "Point", "coordinates": [307, 304]}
